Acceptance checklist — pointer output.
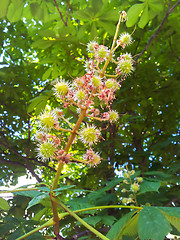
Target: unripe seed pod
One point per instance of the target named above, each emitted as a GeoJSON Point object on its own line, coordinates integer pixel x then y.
{"type": "Point", "coordinates": [47, 120]}
{"type": "Point", "coordinates": [61, 88]}
{"type": "Point", "coordinates": [125, 66]}
{"type": "Point", "coordinates": [96, 81]}
{"type": "Point", "coordinates": [113, 116]}
{"type": "Point", "coordinates": [46, 150]}
{"type": "Point", "coordinates": [89, 134]}
{"type": "Point", "coordinates": [125, 39]}
{"type": "Point", "coordinates": [80, 95]}
{"type": "Point", "coordinates": [112, 84]}
{"type": "Point", "coordinates": [101, 52]}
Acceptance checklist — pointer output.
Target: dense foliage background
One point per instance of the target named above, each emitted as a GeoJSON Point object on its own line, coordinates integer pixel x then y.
{"type": "Point", "coordinates": [44, 39]}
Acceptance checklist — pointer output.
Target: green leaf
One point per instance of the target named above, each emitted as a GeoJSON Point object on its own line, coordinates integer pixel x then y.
{"type": "Point", "coordinates": [117, 227]}
{"type": "Point", "coordinates": [43, 44]}
{"type": "Point", "coordinates": [144, 18]}
{"type": "Point", "coordinates": [36, 11]}
{"type": "Point", "coordinates": [82, 14]}
{"type": "Point", "coordinates": [39, 103]}
{"type": "Point", "coordinates": [15, 11]}
{"type": "Point", "coordinates": [133, 14]}
{"type": "Point", "coordinates": [82, 30]}
{"type": "Point", "coordinates": [108, 27]}
{"type": "Point", "coordinates": [147, 186]}
{"type": "Point", "coordinates": [158, 174]}
{"type": "Point", "coordinates": [131, 228]}
{"type": "Point", "coordinates": [4, 204]}
{"type": "Point", "coordinates": [152, 224]}
{"type": "Point", "coordinates": [59, 190]}
{"type": "Point", "coordinates": [156, 5]}
{"type": "Point", "coordinates": [17, 233]}
{"type": "Point", "coordinates": [93, 30]}
{"type": "Point", "coordinates": [45, 189]}
{"type": "Point", "coordinates": [174, 221]}
{"type": "Point", "coordinates": [108, 220]}
{"type": "Point", "coordinates": [27, 193]}
{"type": "Point", "coordinates": [27, 12]}
{"type": "Point", "coordinates": [92, 220]}
{"type": "Point", "coordinates": [39, 215]}
{"type": "Point", "coordinates": [111, 15]}
{"type": "Point", "coordinates": [172, 214]}
{"type": "Point", "coordinates": [38, 199]}
{"type": "Point", "coordinates": [4, 8]}
{"type": "Point", "coordinates": [172, 211]}
{"type": "Point", "coordinates": [55, 72]}
{"type": "Point", "coordinates": [47, 74]}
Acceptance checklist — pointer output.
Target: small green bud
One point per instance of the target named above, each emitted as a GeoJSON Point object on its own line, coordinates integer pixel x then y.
{"type": "Point", "coordinates": [124, 201]}
{"type": "Point", "coordinates": [126, 175]}
{"type": "Point", "coordinates": [124, 190]}
{"type": "Point", "coordinates": [125, 181]}
{"type": "Point", "coordinates": [135, 187]}
{"type": "Point", "coordinates": [139, 179]}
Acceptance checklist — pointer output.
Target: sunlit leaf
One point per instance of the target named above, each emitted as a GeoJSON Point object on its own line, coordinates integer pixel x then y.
{"type": "Point", "coordinates": [4, 8]}
{"type": "Point", "coordinates": [133, 14]}
{"type": "Point", "coordinates": [144, 18]}
{"type": "Point", "coordinates": [4, 204]}
{"type": "Point", "coordinates": [38, 199]}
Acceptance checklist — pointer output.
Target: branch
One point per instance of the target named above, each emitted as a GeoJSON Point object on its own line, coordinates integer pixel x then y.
{"type": "Point", "coordinates": [67, 11]}
{"type": "Point", "coordinates": [12, 162]}
{"type": "Point", "coordinates": [42, 90]}
{"type": "Point", "coordinates": [65, 23]}
{"type": "Point", "coordinates": [43, 164]}
{"type": "Point", "coordinates": [158, 30]}
{"type": "Point", "coordinates": [87, 232]}
{"type": "Point", "coordinates": [28, 166]}
{"type": "Point", "coordinates": [27, 155]}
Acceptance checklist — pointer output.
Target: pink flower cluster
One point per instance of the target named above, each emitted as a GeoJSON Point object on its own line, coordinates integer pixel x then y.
{"type": "Point", "coordinates": [96, 87]}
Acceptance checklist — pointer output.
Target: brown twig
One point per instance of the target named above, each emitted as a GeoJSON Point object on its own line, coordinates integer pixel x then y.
{"type": "Point", "coordinates": [12, 162]}
{"type": "Point", "coordinates": [158, 30]}
{"type": "Point", "coordinates": [27, 154]}
{"type": "Point", "coordinates": [28, 166]}
{"type": "Point", "coordinates": [67, 11]}
{"type": "Point", "coordinates": [65, 23]}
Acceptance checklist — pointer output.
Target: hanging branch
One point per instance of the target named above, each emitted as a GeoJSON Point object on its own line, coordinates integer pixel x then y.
{"type": "Point", "coordinates": [65, 23]}
{"type": "Point", "coordinates": [27, 155]}
{"type": "Point", "coordinates": [158, 30]}
{"type": "Point", "coordinates": [67, 11]}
